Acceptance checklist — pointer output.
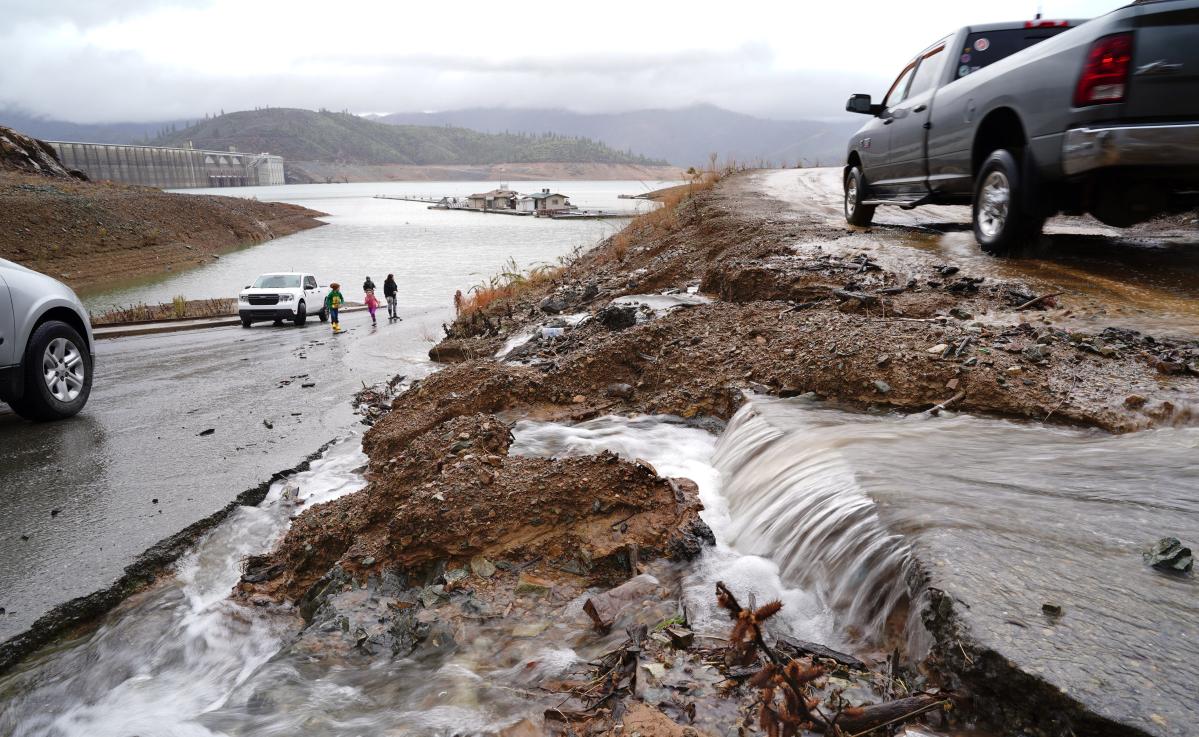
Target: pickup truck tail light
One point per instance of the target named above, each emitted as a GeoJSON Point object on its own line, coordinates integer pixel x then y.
{"type": "Point", "coordinates": [1104, 76]}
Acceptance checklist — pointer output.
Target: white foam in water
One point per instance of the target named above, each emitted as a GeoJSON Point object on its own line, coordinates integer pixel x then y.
{"type": "Point", "coordinates": [676, 449]}
{"type": "Point", "coordinates": [165, 658]}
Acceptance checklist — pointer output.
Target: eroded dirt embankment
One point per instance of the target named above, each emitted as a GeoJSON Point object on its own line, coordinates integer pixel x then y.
{"type": "Point", "coordinates": [91, 234]}
{"type": "Point", "coordinates": [787, 313]}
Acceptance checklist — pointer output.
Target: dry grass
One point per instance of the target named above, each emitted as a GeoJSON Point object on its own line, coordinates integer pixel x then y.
{"type": "Point", "coordinates": [178, 308]}
{"type": "Point", "coordinates": [661, 219]}
{"type": "Point", "coordinates": [505, 287]}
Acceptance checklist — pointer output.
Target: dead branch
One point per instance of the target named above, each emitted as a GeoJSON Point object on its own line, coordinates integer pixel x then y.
{"type": "Point", "coordinates": [1038, 300]}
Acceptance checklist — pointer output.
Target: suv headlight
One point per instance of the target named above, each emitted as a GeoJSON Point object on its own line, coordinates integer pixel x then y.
{"type": "Point", "coordinates": [243, 298]}
{"type": "Point", "coordinates": [286, 297]}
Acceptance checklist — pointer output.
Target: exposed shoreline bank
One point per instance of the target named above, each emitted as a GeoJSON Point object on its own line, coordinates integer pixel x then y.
{"type": "Point", "coordinates": [95, 235]}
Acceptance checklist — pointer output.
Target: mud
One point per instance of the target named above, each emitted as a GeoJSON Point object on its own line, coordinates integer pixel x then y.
{"type": "Point", "coordinates": [793, 308]}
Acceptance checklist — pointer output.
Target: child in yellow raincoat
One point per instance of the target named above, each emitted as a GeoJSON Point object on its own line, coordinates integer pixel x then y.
{"type": "Point", "coordinates": [333, 302]}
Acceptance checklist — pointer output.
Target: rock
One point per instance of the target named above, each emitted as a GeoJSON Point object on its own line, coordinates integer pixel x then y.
{"type": "Point", "coordinates": [1036, 352]}
{"type": "Point", "coordinates": [591, 291]}
{"type": "Point", "coordinates": [1014, 370]}
{"type": "Point", "coordinates": [529, 585]}
{"type": "Point", "coordinates": [606, 607]}
{"type": "Point", "coordinates": [368, 560]}
{"type": "Point", "coordinates": [938, 349]}
{"type": "Point", "coordinates": [308, 385]}
{"type": "Point", "coordinates": [621, 391]}
{"type": "Point", "coordinates": [1134, 401]}
{"type": "Point", "coordinates": [531, 629]}
{"type": "Point", "coordinates": [431, 596]}
{"type": "Point", "coordinates": [1052, 610]}
{"type": "Point", "coordinates": [617, 317]}
{"type": "Point", "coordinates": [454, 576]}
{"type": "Point", "coordinates": [680, 637]}
{"type": "Point", "coordinates": [1169, 367]}
{"type": "Point", "coordinates": [552, 305]}
{"type": "Point", "coordinates": [206, 433]}
{"type": "Point", "coordinates": [482, 567]}
{"type": "Point", "coordinates": [1169, 554]}
{"type": "Point", "coordinates": [881, 386]}
{"type": "Point", "coordinates": [657, 670]}
{"type": "Point", "coordinates": [960, 314]}
{"type": "Point", "coordinates": [882, 360]}
{"type": "Point", "coordinates": [952, 384]}
{"type": "Point", "coordinates": [578, 399]}
{"type": "Point", "coordinates": [646, 466]}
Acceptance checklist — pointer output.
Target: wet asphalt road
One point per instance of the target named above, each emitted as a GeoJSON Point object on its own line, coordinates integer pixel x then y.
{"type": "Point", "coordinates": [139, 440]}
{"type": "Point", "coordinates": [1143, 278]}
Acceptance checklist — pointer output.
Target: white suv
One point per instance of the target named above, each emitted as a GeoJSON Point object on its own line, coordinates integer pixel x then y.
{"type": "Point", "coordinates": [45, 345]}
{"type": "Point", "coordinates": [283, 296]}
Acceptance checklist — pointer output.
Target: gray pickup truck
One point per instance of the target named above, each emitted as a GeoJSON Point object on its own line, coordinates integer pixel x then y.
{"type": "Point", "coordinates": [1027, 120]}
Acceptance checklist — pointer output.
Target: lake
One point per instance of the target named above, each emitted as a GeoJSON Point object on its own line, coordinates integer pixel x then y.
{"type": "Point", "coordinates": [431, 252]}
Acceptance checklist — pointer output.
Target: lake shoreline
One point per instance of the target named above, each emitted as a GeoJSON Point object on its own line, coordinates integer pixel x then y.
{"type": "Point", "coordinates": [93, 235]}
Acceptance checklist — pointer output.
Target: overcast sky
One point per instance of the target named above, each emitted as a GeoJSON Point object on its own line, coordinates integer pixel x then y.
{"type": "Point", "coordinates": [120, 60]}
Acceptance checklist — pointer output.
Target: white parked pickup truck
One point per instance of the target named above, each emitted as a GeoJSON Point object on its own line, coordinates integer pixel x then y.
{"type": "Point", "coordinates": [284, 296]}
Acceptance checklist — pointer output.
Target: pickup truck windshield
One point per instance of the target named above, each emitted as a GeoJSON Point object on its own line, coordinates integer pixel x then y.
{"type": "Point", "coordinates": [987, 47]}
{"type": "Point", "coordinates": [277, 281]}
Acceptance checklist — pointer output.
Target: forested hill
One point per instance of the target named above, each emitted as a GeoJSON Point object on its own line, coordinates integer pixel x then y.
{"type": "Point", "coordinates": [306, 135]}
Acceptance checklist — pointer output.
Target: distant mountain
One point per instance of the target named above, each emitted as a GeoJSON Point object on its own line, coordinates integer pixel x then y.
{"type": "Point", "coordinates": [684, 137]}
{"type": "Point", "coordinates": [306, 135]}
{"type": "Point", "coordinates": [61, 130]}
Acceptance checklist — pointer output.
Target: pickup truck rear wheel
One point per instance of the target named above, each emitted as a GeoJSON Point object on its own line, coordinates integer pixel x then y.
{"type": "Point", "coordinates": [1002, 223]}
{"type": "Point", "coordinates": [323, 314]}
{"type": "Point", "coordinates": [58, 373]}
{"type": "Point", "coordinates": [301, 313]}
{"type": "Point", "coordinates": [855, 191]}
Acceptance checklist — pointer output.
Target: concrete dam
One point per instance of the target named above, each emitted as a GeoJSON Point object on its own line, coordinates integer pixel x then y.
{"type": "Point", "coordinates": [170, 168]}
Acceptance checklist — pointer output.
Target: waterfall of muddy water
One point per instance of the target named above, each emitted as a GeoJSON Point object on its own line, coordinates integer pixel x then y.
{"type": "Point", "coordinates": [676, 449]}
{"type": "Point", "coordinates": [1003, 516]}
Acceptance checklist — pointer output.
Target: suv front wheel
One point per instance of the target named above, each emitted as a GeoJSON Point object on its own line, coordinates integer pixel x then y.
{"type": "Point", "coordinates": [855, 191]}
{"type": "Point", "coordinates": [57, 370]}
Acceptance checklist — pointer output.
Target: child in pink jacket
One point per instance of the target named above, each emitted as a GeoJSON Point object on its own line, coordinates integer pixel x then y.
{"type": "Point", "coordinates": [372, 304]}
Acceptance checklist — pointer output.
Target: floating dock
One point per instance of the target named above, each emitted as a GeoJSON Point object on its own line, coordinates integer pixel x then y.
{"type": "Point", "coordinates": [456, 204]}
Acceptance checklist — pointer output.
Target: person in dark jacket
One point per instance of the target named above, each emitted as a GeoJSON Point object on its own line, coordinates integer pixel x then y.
{"type": "Point", "coordinates": [389, 293]}
{"type": "Point", "coordinates": [368, 285]}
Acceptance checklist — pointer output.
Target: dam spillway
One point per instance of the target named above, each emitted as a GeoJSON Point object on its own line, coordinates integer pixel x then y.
{"type": "Point", "coordinates": [172, 168]}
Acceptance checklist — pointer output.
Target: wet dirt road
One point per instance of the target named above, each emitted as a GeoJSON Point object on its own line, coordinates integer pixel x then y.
{"type": "Point", "coordinates": [1145, 278]}
{"type": "Point", "coordinates": [82, 499]}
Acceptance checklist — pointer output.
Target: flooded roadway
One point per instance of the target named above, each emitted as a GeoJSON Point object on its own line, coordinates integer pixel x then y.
{"type": "Point", "coordinates": [1144, 278]}
{"type": "Point", "coordinates": [85, 497]}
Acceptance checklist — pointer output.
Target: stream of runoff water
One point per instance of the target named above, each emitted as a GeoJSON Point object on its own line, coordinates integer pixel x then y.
{"type": "Point", "coordinates": [823, 509]}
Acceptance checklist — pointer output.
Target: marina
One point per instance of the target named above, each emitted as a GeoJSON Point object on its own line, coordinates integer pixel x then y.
{"type": "Point", "coordinates": [504, 201]}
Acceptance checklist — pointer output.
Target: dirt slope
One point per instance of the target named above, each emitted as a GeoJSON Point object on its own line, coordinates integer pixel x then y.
{"type": "Point", "coordinates": [90, 234]}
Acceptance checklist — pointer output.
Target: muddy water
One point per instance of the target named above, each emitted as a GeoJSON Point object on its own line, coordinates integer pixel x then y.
{"type": "Point", "coordinates": [822, 509]}
{"type": "Point", "coordinates": [167, 657]}
{"type": "Point", "coordinates": [1144, 278]}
